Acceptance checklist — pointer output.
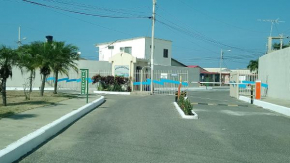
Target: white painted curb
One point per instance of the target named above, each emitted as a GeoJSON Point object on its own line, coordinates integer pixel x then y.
{"type": "Point", "coordinates": [194, 116]}
{"type": "Point", "coordinates": [112, 93]}
{"type": "Point", "coordinates": [21, 89]}
{"type": "Point", "coordinates": [276, 108]}
{"type": "Point", "coordinates": [24, 145]}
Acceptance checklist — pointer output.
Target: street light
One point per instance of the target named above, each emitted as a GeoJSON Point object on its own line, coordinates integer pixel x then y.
{"type": "Point", "coordinates": [19, 42]}
{"type": "Point", "coordinates": [221, 66]}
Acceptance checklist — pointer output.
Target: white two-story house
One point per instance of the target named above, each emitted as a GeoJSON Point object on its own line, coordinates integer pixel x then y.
{"type": "Point", "coordinates": [138, 47]}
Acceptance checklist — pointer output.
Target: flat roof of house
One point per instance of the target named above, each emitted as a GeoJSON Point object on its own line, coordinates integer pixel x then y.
{"type": "Point", "coordinates": [217, 69]}
{"type": "Point", "coordinates": [111, 42]}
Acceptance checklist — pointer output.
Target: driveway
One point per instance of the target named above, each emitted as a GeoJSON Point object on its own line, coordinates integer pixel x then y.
{"type": "Point", "coordinates": [149, 129]}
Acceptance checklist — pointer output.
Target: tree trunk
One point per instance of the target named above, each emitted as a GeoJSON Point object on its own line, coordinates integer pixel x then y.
{"type": "Point", "coordinates": [30, 81]}
{"type": "Point", "coordinates": [4, 92]}
{"type": "Point", "coordinates": [42, 85]}
{"type": "Point", "coordinates": [55, 82]}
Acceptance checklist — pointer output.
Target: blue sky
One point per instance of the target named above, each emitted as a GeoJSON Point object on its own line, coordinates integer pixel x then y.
{"type": "Point", "coordinates": [198, 29]}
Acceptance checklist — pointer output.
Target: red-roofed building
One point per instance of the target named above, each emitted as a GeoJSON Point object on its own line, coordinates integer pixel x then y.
{"type": "Point", "coordinates": [206, 76]}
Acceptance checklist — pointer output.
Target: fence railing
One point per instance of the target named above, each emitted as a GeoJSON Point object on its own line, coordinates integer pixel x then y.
{"type": "Point", "coordinates": [240, 84]}
{"type": "Point", "coordinates": [164, 81]}
{"type": "Point", "coordinates": [246, 80]}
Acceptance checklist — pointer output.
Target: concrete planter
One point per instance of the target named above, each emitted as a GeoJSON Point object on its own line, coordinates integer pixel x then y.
{"type": "Point", "coordinates": [180, 111]}
{"type": "Point", "coordinates": [112, 93]}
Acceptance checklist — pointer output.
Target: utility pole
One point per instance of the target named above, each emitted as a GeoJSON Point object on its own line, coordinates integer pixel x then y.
{"type": "Point", "coordinates": [19, 36]}
{"type": "Point", "coordinates": [19, 42]}
{"type": "Point", "coordinates": [152, 46]}
{"type": "Point", "coordinates": [221, 67]}
{"type": "Point", "coordinates": [281, 41]}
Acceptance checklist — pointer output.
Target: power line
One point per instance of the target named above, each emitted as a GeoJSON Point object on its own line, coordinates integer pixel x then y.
{"type": "Point", "coordinates": [204, 38]}
{"type": "Point", "coordinates": [92, 23]}
{"type": "Point", "coordinates": [199, 35]}
{"type": "Point", "coordinates": [87, 14]}
{"type": "Point", "coordinates": [88, 7]}
{"type": "Point", "coordinates": [218, 20]}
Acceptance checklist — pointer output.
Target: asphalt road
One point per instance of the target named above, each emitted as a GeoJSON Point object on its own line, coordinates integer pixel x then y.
{"type": "Point", "coordinates": [149, 129]}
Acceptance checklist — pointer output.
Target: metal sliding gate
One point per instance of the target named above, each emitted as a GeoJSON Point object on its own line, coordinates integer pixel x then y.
{"type": "Point", "coordinates": [164, 81]}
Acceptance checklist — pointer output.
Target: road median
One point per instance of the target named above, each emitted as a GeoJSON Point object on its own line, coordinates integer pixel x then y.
{"type": "Point", "coordinates": [29, 142]}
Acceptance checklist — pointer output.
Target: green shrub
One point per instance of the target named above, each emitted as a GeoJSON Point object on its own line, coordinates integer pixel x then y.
{"type": "Point", "coordinates": [185, 105]}
{"type": "Point", "coordinates": [111, 83]}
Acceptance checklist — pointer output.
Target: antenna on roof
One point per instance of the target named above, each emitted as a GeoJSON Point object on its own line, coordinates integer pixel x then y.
{"type": "Point", "coordinates": [272, 23]}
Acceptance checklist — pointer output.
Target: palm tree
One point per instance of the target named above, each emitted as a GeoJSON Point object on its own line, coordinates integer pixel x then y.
{"type": "Point", "coordinates": [63, 57]}
{"type": "Point", "coordinates": [253, 65]}
{"type": "Point", "coordinates": [8, 59]}
{"type": "Point", "coordinates": [28, 59]}
{"type": "Point", "coordinates": [43, 60]}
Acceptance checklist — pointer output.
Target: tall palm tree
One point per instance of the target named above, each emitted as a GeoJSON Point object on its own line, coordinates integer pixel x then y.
{"type": "Point", "coordinates": [8, 59]}
{"type": "Point", "coordinates": [43, 60]}
{"type": "Point", "coordinates": [64, 57]}
{"type": "Point", "coordinates": [253, 65]}
{"type": "Point", "coordinates": [28, 59]}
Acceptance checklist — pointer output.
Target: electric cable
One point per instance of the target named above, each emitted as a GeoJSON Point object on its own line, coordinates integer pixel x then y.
{"type": "Point", "coordinates": [83, 13]}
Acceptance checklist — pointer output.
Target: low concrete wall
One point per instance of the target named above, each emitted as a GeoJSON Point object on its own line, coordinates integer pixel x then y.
{"type": "Point", "coordinates": [20, 78]}
{"type": "Point", "coordinates": [276, 108]}
{"type": "Point", "coordinates": [24, 145]}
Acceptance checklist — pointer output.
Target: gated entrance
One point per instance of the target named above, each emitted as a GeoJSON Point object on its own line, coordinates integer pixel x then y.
{"type": "Point", "coordinates": [164, 81]}
{"type": "Point", "coordinates": [240, 84]}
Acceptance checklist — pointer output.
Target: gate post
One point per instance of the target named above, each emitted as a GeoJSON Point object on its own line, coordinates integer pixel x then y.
{"type": "Point", "coordinates": [258, 90]}
{"type": "Point", "coordinates": [141, 81]}
{"type": "Point", "coordinates": [238, 85]}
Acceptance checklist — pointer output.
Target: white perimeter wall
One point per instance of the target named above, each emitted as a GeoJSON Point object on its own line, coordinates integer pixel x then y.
{"type": "Point", "coordinates": [19, 78]}
{"type": "Point", "coordinates": [274, 69]}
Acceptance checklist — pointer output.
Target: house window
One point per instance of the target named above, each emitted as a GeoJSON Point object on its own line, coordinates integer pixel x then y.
{"type": "Point", "coordinates": [110, 47]}
{"type": "Point", "coordinates": [126, 50]}
{"type": "Point", "coordinates": [165, 53]}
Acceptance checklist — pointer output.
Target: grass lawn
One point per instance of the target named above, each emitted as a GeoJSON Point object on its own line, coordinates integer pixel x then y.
{"type": "Point", "coordinates": [16, 102]}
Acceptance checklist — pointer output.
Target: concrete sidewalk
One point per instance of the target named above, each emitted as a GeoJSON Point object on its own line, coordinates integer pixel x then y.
{"type": "Point", "coordinates": [276, 105]}
{"type": "Point", "coordinates": [19, 125]}
{"type": "Point", "coordinates": [280, 102]}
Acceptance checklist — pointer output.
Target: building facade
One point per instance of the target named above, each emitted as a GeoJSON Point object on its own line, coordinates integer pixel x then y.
{"type": "Point", "coordinates": [138, 47]}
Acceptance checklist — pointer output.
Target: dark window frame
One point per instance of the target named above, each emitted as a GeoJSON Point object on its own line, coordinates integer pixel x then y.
{"type": "Point", "coordinates": [165, 53]}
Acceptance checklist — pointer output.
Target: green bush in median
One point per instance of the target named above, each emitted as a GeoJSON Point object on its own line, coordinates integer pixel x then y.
{"type": "Point", "coordinates": [185, 105]}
